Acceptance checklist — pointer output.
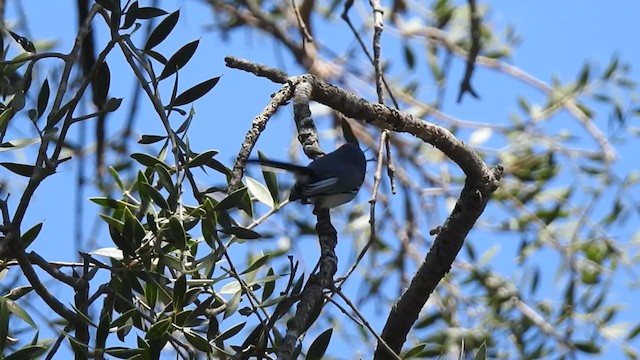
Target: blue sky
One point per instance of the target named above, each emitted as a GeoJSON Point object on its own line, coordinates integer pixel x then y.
{"type": "Point", "coordinates": [558, 37]}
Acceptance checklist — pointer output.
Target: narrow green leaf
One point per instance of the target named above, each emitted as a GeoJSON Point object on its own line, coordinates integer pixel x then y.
{"type": "Point", "coordinates": [5, 116]}
{"type": "Point", "coordinates": [116, 177]}
{"type": "Point", "coordinates": [197, 341]}
{"type": "Point", "coordinates": [177, 233]}
{"type": "Point", "coordinates": [164, 178]}
{"type": "Point", "coordinates": [587, 347]}
{"type": "Point", "coordinates": [151, 139]}
{"type": "Point", "coordinates": [241, 233]}
{"type": "Point", "coordinates": [195, 92]}
{"type": "Point", "coordinates": [202, 158]}
{"type": "Point", "coordinates": [25, 43]}
{"type": "Point", "coordinates": [30, 235]}
{"type": "Point", "coordinates": [259, 191]}
{"type": "Point", "coordinates": [123, 352]}
{"type": "Point", "coordinates": [232, 331]}
{"type": "Point", "coordinates": [270, 179]}
{"type": "Point", "coordinates": [112, 104]}
{"type": "Point", "coordinates": [231, 201]}
{"type": "Point", "coordinates": [481, 354]}
{"type": "Point", "coordinates": [232, 304]}
{"type": "Point", "coordinates": [149, 12]}
{"type": "Point", "coordinates": [179, 290]}
{"type": "Point", "coordinates": [4, 324]}
{"type": "Point", "coordinates": [178, 60]}
{"type": "Point", "coordinates": [130, 16]}
{"type": "Point", "coordinates": [112, 203]}
{"type": "Point", "coordinates": [256, 264]}
{"type": "Point", "coordinates": [54, 118]}
{"type": "Point", "coordinates": [319, 345]}
{"type": "Point", "coordinates": [18, 311]}
{"type": "Point", "coordinates": [102, 84]}
{"type": "Point", "coordinates": [43, 98]}
{"type": "Point", "coordinates": [162, 30]}
{"type": "Point", "coordinates": [17, 144]}
{"type": "Point", "coordinates": [155, 195]}
{"type": "Point", "coordinates": [187, 122]}
{"type": "Point", "coordinates": [269, 286]}
{"type": "Point", "coordinates": [633, 333]}
{"type": "Point", "coordinates": [159, 329]}
{"type": "Point", "coordinates": [148, 160]}
{"type": "Point", "coordinates": [108, 4]}
{"type": "Point", "coordinates": [20, 169]}
{"type": "Point", "coordinates": [157, 56]}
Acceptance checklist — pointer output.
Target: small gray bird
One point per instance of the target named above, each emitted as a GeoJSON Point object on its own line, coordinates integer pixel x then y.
{"type": "Point", "coordinates": [328, 181]}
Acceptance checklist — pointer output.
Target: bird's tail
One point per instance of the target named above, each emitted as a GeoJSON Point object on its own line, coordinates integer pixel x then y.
{"type": "Point", "coordinates": [296, 169]}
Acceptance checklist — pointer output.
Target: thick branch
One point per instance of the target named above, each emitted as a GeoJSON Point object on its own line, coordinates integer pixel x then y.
{"type": "Point", "coordinates": [311, 298]}
{"type": "Point", "coordinates": [451, 235]}
{"type": "Point", "coordinates": [481, 182]}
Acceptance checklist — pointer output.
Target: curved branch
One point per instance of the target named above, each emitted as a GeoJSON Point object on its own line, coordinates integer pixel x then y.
{"type": "Point", "coordinates": [480, 183]}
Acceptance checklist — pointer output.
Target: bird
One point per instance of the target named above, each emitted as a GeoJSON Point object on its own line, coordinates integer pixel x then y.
{"type": "Point", "coordinates": [328, 181]}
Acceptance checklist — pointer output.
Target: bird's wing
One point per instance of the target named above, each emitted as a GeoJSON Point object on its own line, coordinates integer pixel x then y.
{"type": "Point", "coordinates": [320, 187]}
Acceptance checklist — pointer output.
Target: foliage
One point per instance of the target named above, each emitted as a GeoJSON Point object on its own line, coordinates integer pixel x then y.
{"type": "Point", "coordinates": [183, 273]}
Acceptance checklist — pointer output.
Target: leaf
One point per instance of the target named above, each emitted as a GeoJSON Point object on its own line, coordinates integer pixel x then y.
{"type": "Point", "coordinates": [102, 82]}
{"type": "Point", "coordinates": [131, 16]}
{"type": "Point", "coordinates": [241, 233]}
{"type": "Point", "coordinates": [259, 191]}
{"type": "Point", "coordinates": [112, 104]}
{"type": "Point", "coordinates": [232, 304]}
{"type": "Point", "coordinates": [613, 65]}
{"type": "Point", "coordinates": [583, 78]}
{"type": "Point", "coordinates": [269, 286]}
{"type": "Point", "coordinates": [414, 351]}
{"type": "Point", "coordinates": [633, 333]}
{"type": "Point", "coordinates": [43, 98]}
{"type": "Point", "coordinates": [30, 235]}
{"type": "Point", "coordinates": [149, 12]}
{"type": "Point", "coordinates": [587, 347]}
{"type": "Point", "coordinates": [123, 352]}
{"type": "Point", "coordinates": [25, 43]}
{"type": "Point", "coordinates": [179, 290]}
{"type": "Point", "coordinates": [232, 331]}
{"type": "Point", "coordinates": [18, 311]}
{"type": "Point", "coordinates": [148, 160]}
{"type": "Point", "coordinates": [155, 195]}
{"type": "Point", "coordinates": [54, 118]}
{"type": "Point", "coordinates": [178, 60]}
{"type": "Point", "coordinates": [202, 158]}
{"type": "Point", "coordinates": [256, 264]}
{"type": "Point", "coordinates": [197, 341]}
{"type": "Point", "coordinates": [116, 177]}
{"type": "Point", "coordinates": [108, 4]}
{"type": "Point", "coordinates": [112, 203]}
{"type": "Point", "coordinates": [159, 329]}
{"type": "Point", "coordinates": [409, 57]}
{"type": "Point", "coordinates": [481, 354]}
{"type": "Point", "coordinates": [18, 143]}
{"type": "Point", "coordinates": [109, 252]}
{"type": "Point", "coordinates": [231, 201]}
{"type": "Point", "coordinates": [151, 139]}
{"type": "Point", "coordinates": [195, 92]}
{"type": "Point", "coordinates": [270, 179]}
{"type": "Point", "coordinates": [177, 232]}
{"type": "Point", "coordinates": [20, 169]}
{"type": "Point", "coordinates": [480, 136]}
{"type": "Point", "coordinates": [5, 116]}
{"type": "Point", "coordinates": [162, 30]}
{"type": "Point", "coordinates": [230, 288]}
{"type": "Point", "coordinates": [319, 345]}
